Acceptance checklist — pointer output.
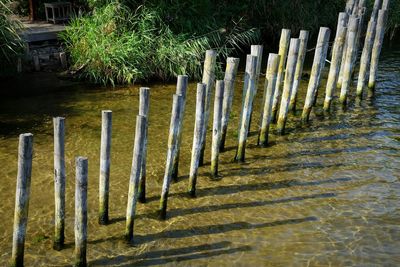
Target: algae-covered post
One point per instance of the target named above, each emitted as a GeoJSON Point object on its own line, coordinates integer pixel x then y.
{"type": "Point", "coordinates": [141, 124]}
{"type": "Point", "coordinates": [251, 65]}
{"type": "Point", "coordinates": [144, 102]}
{"type": "Point", "coordinates": [104, 178]}
{"type": "Point", "coordinates": [36, 63]}
{"type": "Point", "coordinates": [198, 129]}
{"type": "Point", "coordinates": [365, 57]}
{"type": "Point", "coordinates": [208, 79]}
{"type": "Point", "coordinates": [337, 52]}
{"type": "Point", "coordinates": [232, 65]}
{"type": "Point", "coordinates": [81, 184]}
{"type": "Point", "coordinates": [172, 146]}
{"type": "Point", "coordinates": [318, 63]}
{"type": "Point", "coordinates": [377, 47]}
{"type": "Point", "coordinates": [216, 134]}
{"type": "Point", "coordinates": [283, 50]}
{"type": "Point", "coordinates": [288, 85]}
{"type": "Point", "coordinates": [299, 68]}
{"type": "Point", "coordinates": [59, 182]}
{"type": "Point", "coordinates": [25, 151]}
{"type": "Point", "coordinates": [350, 54]}
{"type": "Point", "coordinates": [181, 89]}
{"type": "Point", "coordinates": [269, 89]}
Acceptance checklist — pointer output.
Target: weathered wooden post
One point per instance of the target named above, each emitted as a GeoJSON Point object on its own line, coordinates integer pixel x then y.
{"type": "Point", "coordinates": [59, 182]}
{"type": "Point", "coordinates": [172, 150]}
{"type": "Point", "coordinates": [144, 102]}
{"type": "Point", "coordinates": [385, 4]}
{"type": "Point", "coordinates": [299, 69]}
{"type": "Point", "coordinates": [365, 57]}
{"type": "Point", "coordinates": [25, 151]}
{"type": "Point", "coordinates": [63, 60]}
{"type": "Point", "coordinates": [288, 85]}
{"type": "Point", "coordinates": [19, 65]}
{"type": "Point", "coordinates": [350, 54]}
{"type": "Point", "coordinates": [216, 136]}
{"type": "Point", "coordinates": [349, 6]}
{"type": "Point", "coordinates": [251, 65]}
{"type": "Point", "coordinates": [36, 63]}
{"type": "Point", "coordinates": [198, 129]}
{"type": "Point", "coordinates": [232, 65]}
{"type": "Point", "coordinates": [208, 79]}
{"type": "Point", "coordinates": [360, 14]}
{"type": "Point", "coordinates": [375, 9]}
{"type": "Point", "coordinates": [141, 124]}
{"type": "Point", "coordinates": [269, 89]}
{"type": "Point", "coordinates": [81, 184]}
{"type": "Point", "coordinates": [105, 161]}
{"type": "Point", "coordinates": [283, 51]}
{"type": "Point", "coordinates": [255, 50]}
{"type": "Point", "coordinates": [181, 89]}
{"type": "Point", "coordinates": [337, 52]}
{"type": "Point", "coordinates": [377, 47]}
{"type": "Point", "coordinates": [319, 61]}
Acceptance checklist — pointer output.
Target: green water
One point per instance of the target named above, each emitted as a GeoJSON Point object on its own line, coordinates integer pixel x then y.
{"type": "Point", "coordinates": [326, 194]}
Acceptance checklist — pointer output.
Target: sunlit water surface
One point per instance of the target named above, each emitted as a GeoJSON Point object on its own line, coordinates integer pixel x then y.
{"type": "Point", "coordinates": [324, 194]}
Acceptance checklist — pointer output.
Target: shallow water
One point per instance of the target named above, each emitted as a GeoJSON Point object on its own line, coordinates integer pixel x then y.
{"type": "Point", "coordinates": [326, 194]}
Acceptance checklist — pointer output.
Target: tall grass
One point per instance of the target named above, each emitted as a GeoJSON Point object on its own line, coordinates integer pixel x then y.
{"type": "Point", "coordinates": [10, 42]}
{"type": "Point", "coordinates": [118, 45]}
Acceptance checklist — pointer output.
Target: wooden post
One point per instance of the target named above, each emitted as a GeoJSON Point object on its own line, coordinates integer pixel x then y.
{"type": "Point", "coordinates": [360, 14]}
{"type": "Point", "coordinates": [59, 182]}
{"type": "Point", "coordinates": [81, 184]}
{"type": "Point", "coordinates": [288, 85]}
{"type": "Point", "coordinates": [319, 60]}
{"type": "Point", "coordinates": [172, 147]}
{"type": "Point", "coordinates": [299, 68]}
{"type": "Point", "coordinates": [365, 57]}
{"type": "Point", "coordinates": [350, 53]}
{"type": "Point", "coordinates": [25, 151]}
{"type": "Point", "coordinates": [232, 65]}
{"type": "Point", "coordinates": [385, 4]}
{"type": "Point", "coordinates": [216, 136]}
{"type": "Point", "coordinates": [251, 65]}
{"type": "Point", "coordinates": [283, 51]}
{"type": "Point", "coordinates": [198, 129]}
{"type": "Point", "coordinates": [63, 60]}
{"type": "Point", "coordinates": [141, 124]}
{"type": "Point", "coordinates": [375, 9]}
{"type": "Point", "coordinates": [349, 6]}
{"type": "Point", "coordinates": [19, 65]}
{"type": "Point", "coordinates": [208, 79]}
{"type": "Point", "coordinates": [256, 50]}
{"type": "Point", "coordinates": [377, 47]}
{"type": "Point", "coordinates": [104, 177]}
{"type": "Point", "coordinates": [181, 89]}
{"type": "Point", "coordinates": [269, 89]}
{"type": "Point", "coordinates": [36, 63]}
{"type": "Point", "coordinates": [337, 52]}
{"type": "Point", "coordinates": [144, 102]}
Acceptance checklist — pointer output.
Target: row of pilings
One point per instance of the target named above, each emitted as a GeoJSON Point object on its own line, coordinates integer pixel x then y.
{"type": "Point", "coordinates": [283, 76]}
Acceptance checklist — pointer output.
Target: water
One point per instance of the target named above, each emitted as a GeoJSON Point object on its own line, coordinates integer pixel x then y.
{"type": "Point", "coordinates": [326, 194]}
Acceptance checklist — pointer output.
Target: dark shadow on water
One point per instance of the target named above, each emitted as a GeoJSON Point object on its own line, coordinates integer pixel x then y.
{"type": "Point", "coordinates": [237, 188]}
{"type": "Point", "coordinates": [212, 208]}
{"type": "Point", "coordinates": [277, 169]}
{"type": "Point", "coordinates": [219, 228]}
{"type": "Point", "coordinates": [316, 152]}
{"type": "Point", "coordinates": [172, 255]}
{"type": "Point", "coordinates": [206, 230]}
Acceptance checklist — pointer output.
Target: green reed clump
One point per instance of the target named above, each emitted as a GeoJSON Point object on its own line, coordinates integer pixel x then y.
{"type": "Point", "coordinates": [117, 45]}
{"type": "Point", "coordinates": [10, 42]}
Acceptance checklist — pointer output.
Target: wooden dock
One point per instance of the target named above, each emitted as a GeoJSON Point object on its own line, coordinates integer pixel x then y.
{"type": "Point", "coordinates": [39, 31]}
